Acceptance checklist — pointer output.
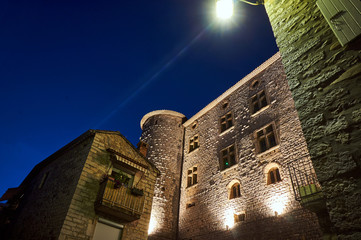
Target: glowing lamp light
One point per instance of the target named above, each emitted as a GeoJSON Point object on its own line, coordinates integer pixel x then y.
{"type": "Point", "coordinates": [278, 207]}
{"type": "Point", "coordinates": [229, 223]}
{"type": "Point", "coordinates": [224, 9]}
{"type": "Point", "coordinates": [152, 225]}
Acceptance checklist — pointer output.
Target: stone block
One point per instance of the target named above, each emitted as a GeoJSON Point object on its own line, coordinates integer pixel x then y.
{"type": "Point", "coordinates": [336, 125]}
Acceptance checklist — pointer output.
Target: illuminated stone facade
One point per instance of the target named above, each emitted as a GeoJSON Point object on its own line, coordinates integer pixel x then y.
{"type": "Point", "coordinates": [62, 197]}
{"type": "Point", "coordinates": [324, 78]}
{"type": "Point", "coordinates": [163, 133]}
{"type": "Point", "coordinates": [226, 155]}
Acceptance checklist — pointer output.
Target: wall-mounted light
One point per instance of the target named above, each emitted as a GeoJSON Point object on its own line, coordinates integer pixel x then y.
{"type": "Point", "coordinates": [278, 204]}
{"type": "Point", "coordinates": [278, 207]}
{"type": "Point", "coordinates": [152, 224]}
{"type": "Point", "coordinates": [229, 221]}
{"type": "Point", "coordinates": [224, 8]}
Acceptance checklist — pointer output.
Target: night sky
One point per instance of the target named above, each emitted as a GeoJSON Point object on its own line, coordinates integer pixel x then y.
{"type": "Point", "coordinates": [70, 66]}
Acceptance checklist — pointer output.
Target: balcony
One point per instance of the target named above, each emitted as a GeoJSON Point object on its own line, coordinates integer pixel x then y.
{"type": "Point", "coordinates": [118, 202]}
{"type": "Point", "coordinates": [306, 187]}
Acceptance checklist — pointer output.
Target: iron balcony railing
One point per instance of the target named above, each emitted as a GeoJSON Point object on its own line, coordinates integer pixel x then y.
{"type": "Point", "coordinates": [119, 201]}
{"type": "Point", "coordinates": [304, 180]}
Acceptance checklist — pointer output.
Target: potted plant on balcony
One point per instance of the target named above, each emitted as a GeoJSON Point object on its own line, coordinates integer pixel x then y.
{"type": "Point", "coordinates": [120, 180]}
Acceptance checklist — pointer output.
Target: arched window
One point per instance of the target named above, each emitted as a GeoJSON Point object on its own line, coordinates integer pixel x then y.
{"type": "Point", "coordinates": [235, 191]}
{"type": "Point", "coordinates": [273, 175]}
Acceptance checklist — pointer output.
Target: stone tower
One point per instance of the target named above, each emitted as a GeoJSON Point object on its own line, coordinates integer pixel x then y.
{"type": "Point", "coordinates": [163, 136]}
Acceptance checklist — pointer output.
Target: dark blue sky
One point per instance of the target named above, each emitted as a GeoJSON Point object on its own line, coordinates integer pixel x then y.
{"type": "Point", "coordinates": [70, 66]}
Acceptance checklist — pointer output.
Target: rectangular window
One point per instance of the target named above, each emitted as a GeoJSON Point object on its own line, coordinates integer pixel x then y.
{"type": "Point", "coordinates": [228, 157]}
{"type": "Point", "coordinates": [192, 176]}
{"type": "Point", "coordinates": [266, 138]}
{"type": "Point", "coordinates": [258, 101]}
{"type": "Point", "coordinates": [239, 217]}
{"type": "Point", "coordinates": [193, 143]}
{"type": "Point", "coordinates": [226, 121]}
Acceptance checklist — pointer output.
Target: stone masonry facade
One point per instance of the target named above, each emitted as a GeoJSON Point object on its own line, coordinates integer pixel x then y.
{"type": "Point", "coordinates": [325, 81]}
{"type": "Point", "coordinates": [207, 208]}
{"type": "Point", "coordinates": [62, 205]}
{"type": "Point", "coordinates": [34, 219]}
{"type": "Point", "coordinates": [81, 218]}
{"type": "Point", "coordinates": [164, 135]}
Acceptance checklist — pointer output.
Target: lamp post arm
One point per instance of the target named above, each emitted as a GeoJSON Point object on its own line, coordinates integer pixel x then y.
{"type": "Point", "coordinates": [251, 3]}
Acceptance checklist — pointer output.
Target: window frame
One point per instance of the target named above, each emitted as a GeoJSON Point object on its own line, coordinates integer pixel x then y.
{"type": "Point", "coordinates": [259, 101]}
{"type": "Point", "coordinates": [228, 156]}
{"type": "Point", "coordinates": [275, 172]}
{"type": "Point", "coordinates": [239, 218]}
{"type": "Point", "coordinates": [226, 122]}
{"type": "Point", "coordinates": [264, 142]}
{"type": "Point", "coordinates": [235, 191]}
{"type": "Point", "coordinates": [193, 143]}
{"type": "Point", "coordinates": [192, 176]}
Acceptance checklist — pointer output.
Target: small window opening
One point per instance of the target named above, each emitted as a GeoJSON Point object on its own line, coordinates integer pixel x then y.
{"type": "Point", "coordinates": [258, 101]}
{"type": "Point", "coordinates": [239, 217]}
{"type": "Point", "coordinates": [225, 104]}
{"type": "Point", "coordinates": [266, 138]}
{"type": "Point", "coordinates": [255, 84]}
{"type": "Point", "coordinates": [192, 176]}
{"type": "Point", "coordinates": [228, 157]}
{"type": "Point", "coordinates": [273, 176]}
{"type": "Point", "coordinates": [193, 143]}
{"type": "Point", "coordinates": [226, 121]}
{"type": "Point", "coordinates": [235, 191]}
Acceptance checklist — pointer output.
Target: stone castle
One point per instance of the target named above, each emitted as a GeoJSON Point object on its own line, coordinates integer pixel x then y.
{"type": "Point", "coordinates": [225, 172]}
{"type": "Point", "coordinates": [238, 169]}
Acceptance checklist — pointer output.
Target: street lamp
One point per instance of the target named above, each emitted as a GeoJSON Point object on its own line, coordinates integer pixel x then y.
{"type": "Point", "coordinates": [224, 8]}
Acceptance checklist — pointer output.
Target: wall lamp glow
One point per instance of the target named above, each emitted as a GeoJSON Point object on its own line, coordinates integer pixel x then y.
{"type": "Point", "coordinates": [224, 8]}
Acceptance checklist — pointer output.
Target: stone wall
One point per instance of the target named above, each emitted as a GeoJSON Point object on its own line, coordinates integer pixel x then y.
{"type": "Point", "coordinates": [81, 218]}
{"type": "Point", "coordinates": [206, 212]}
{"type": "Point", "coordinates": [42, 210]}
{"type": "Point", "coordinates": [62, 205]}
{"type": "Point", "coordinates": [163, 132]}
{"type": "Point", "coordinates": [325, 81]}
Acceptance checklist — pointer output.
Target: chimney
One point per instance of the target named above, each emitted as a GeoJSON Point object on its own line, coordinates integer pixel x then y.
{"type": "Point", "coordinates": [143, 148]}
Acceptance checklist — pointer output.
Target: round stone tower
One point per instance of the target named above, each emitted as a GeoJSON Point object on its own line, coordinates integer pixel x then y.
{"type": "Point", "coordinates": [163, 136]}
